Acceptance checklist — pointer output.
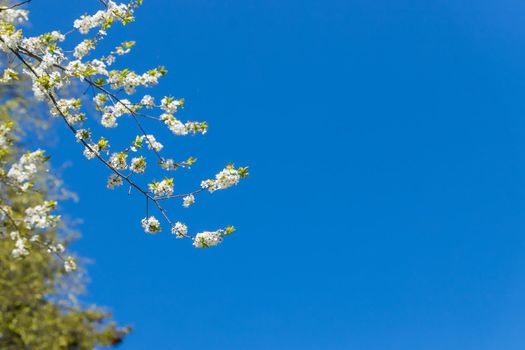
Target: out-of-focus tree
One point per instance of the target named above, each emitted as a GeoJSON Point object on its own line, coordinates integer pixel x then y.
{"type": "Point", "coordinates": [38, 304]}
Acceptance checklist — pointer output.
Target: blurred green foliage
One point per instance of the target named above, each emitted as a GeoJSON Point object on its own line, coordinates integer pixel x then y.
{"type": "Point", "coordinates": [38, 305]}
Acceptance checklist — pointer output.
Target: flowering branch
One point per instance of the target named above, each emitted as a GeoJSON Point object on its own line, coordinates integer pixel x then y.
{"type": "Point", "coordinates": [50, 70]}
{"type": "Point", "coordinates": [21, 243]}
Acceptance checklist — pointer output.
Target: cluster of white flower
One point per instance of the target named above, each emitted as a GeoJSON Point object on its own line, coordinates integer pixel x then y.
{"type": "Point", "coordinates": [70, 264]}
{"type": "Point", "coordinates": [130, 80]}
{"type": "Point", "coordinates": [83, 48]}
{"type": "Point", "coordinates": [188, 200]}
{"type": "Point", "coordinates": [153, 143]}
{"type": "Point", "coordinates": [41, 42]}
{"type": "Point", "coordinates": [207, 239]}
{"type": "Point", "coordinates": [118, 160]}
{"type": "Point", "coordinates": [8, 75]}
{"type": "Point", "coordinates": [91, 153]}
{"type": "Point", "coordinates": [150, 141]}
{"type": "Point", "coordinates": [195, 127]}
{"type": "Point", "coordinates": [124, 48]}
{"type": "Point", "coordinates": [23, 171]}
{"type": "Point", "coordinates": [114, 181]}
{"type": "Point", "coordinates": [111, 113]}
{"type": "Point", "coordinates": [22, 249]}
{"type": "Point", "coordinates": [170, 105]}
{"type": "Point", "coordinates": [168, 164]}
{"type": "Point", "coordinates": [38, 216]}
{"type": "Point", "coordinates": [10, 36]}
{"type": "Point", "coordinates": [148, 101]}
{"type": "Point", "coordinates": [179, 229]}
{"type": "Point", "coordinates": [151, 225]}
{"type": "Point", "coordinates": [103, 19]}
{"type": "Point", "coordinates": [8, 33]}
{"type": "Point", "coordinates": [109, 120]}
{"type": "Point", "coordinates": [13, 15]}
{"type": "Point", "coordinates": [175, 125]}
{"type": "Point", "coordinates": [181, 129]}
{"type": "Point", "coordinates": [100, 100]}
{"type": "Point", "coordinates": [68, 108]}
{"type": "Point", "coordinates": [162, 188]}
{"type": "Point", "coordinates": [25, 230]}
{"type": "Point", "coordinates": [21, 245]}
{"type": "Point", "coordinates": [138, 165]}
{"type": "Point", "coordinates": [58, 248]}
{"type": "Point", "coordinates": [85, 70]}
{"type": "Point", "coordinates": [5, 129]}
{"type": "Point", "coordinates": [228, 177]}
{"type": "Point", "coordinates": [82, 134]}
{"type": "Point", "coordinates": [46, 79]}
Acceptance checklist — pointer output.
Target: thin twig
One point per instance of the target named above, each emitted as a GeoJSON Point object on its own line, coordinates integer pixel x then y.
{"type": "Point", "coordinates": [15, 6]}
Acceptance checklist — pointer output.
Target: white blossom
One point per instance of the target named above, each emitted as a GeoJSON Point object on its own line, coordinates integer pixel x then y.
{"type": "Point", "coordinates": [147, 101]}
{"type": "Point", "coordinates": [5, 129]}
{"type": "Point", "coordinates": [83, 48]}
{"type": "Point", "coordinates": [70, 264]}
{"type": "Point", "coordinates": [14, 235]}
{"type": "Point", "coordinates": [68, 108]}
{"type": "Point", "coordinates": [76, 69]}
{"type": "Point", "coordinates": [100, 100]}
{"type": "Point", "coordinates": [162, 188]}
{"type": "Point", "coordinates": [26, 167]}
{"type": "Point", "coordinates": [138, 165]}
{"type": "Point", "coordinates": [175, 125]}
{"type": "Point", "coordinates": [150, 225]}
{"type": "Point", "coordinates": [114, 181]}
{"type": "Point", "coordinates": [20, 249]}
{"type": "Point", "coordinates": [170, 105]}
{"type": "Point", "coordinates": [91, 153]}
{"type": "Point", "coordinates": [154, 144]}
{"type": "Point", "coordinates": [195, 127]}
{"type": "Point", "coordinates": [38, 216]}
{"type": "Point", "coordinates": [130, 80]}
{"type": "Point", "coordinates": [97, 67]}
{"type": "Point", "coordinates": [108, 120]}
{"type": "Point", "coordinates": [111, 113]}
{"type": "Point", "coordinates": [10, 38]}
{"type": "Point", "coordinates": [122, 107]}
{"type": "Point", "coordinates": [8, 75]}
{"type": "Point", "coordinates": [13, 16]}
{"type": "Point", "coordinates": [179, 229]}
{"type": "Point", "coordinates": [208, 185]}
{"type": "Point", "coordinates": [82, 134]}
{"type": "Point", "coordinates": [110, 59]}
{"type": "Point", "coordinates": [103, 17]}
{"type": "Point", "coordinates": [55, 248]}
{"type": "Point", "coordinates": [118, 160]}
{"type": "Point", "coordinates": [207, 239]}
{"type": "Point", "coordinates": [188, 200]}
{"type": "Point", "coordinates": [168, 164]}
{"type": "Point", "coordinates": [228, 177]}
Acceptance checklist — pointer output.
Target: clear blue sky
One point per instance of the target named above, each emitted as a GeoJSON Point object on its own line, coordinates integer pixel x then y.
{"type": "Point", "coordinates": [386, 204]}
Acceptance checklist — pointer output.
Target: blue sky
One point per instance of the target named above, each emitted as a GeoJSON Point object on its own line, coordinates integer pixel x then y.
{"type": "Point", "coordinates": [385, 207]}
